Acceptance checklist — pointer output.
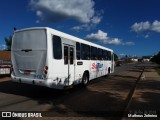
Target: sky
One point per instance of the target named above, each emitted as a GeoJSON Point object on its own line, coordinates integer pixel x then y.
{"type": "Point", "coordinates": [129, 27]}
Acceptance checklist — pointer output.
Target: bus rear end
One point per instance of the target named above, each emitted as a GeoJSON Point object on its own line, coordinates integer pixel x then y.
{"type": "Point", "coordinates": [29, 55]}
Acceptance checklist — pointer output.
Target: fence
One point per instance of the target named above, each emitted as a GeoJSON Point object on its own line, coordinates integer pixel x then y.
{"type": "Point", "coordinates": [5, 67]}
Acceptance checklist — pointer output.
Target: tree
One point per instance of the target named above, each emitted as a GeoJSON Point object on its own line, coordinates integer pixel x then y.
{"type": "Point", "coordinates": [115, 57]}
{"type": "Point", "coordinates": [8, 42]}
{"type": "Point", "coordinates": [156, 58]}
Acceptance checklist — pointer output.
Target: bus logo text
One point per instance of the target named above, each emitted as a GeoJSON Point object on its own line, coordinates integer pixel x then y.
{"type": "Point", "coordinates": [96, 65]}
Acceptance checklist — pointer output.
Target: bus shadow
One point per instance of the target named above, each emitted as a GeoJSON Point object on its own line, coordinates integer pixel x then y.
{"type": "Point", "coordinates": [89, 103]}
{"type": "Point", "coordinates": [77, 101]}
{"type": "Point", "coordinates": [27, 90]}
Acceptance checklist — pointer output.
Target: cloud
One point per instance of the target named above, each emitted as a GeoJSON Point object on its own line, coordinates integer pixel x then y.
{"type": "Point", "coordinates": [85, 27]}
{"type": "Point", "coordinates": [58, 10]}
{"type": "Point", "coordinates": [146, 36]}
{"type": "Point", "coordinates": [96, 19]}
{"type": "Point", "coordinates": [114, 41]}
{"type": "Point", "coordinates": [100, 35]}
{"type": "Point", "coordinates": [78, 28]}
{"type": "Point", "coordinates": [156, 26]}
{"type": "Point", "coordinates": [93, 23]}
{"type": "Point", "coordinates": [103, 37]}
{"type": "Point", "coordinates": [146, 26]}
{"type": "Point", "coordinates": [129, 43]}
{"type": "Point", "coordinates": [142, 26]}
{"type": "Point", "coordinates": [3, 47]}
{"type": "Point", "coordinates": [122, 54]}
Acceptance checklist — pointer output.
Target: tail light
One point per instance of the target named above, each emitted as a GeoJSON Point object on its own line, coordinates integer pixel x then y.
{"type": "Point", "coordinates": [45, 69]}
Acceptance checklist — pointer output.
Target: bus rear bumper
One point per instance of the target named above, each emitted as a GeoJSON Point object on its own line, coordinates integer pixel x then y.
{"type": "Point", "coordinates": [39, 82]}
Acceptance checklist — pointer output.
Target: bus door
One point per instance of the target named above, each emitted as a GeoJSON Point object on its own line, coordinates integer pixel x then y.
{"type": "Point", "coordinates": [69, 62]}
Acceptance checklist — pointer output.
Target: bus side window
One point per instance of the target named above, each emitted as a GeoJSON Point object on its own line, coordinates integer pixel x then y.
{"type": "Point", "coordinates": [78, 51]}
{"type": "Point", "coordinates": [93, 53]}
{"type": "Point", "coordinates": [109, 55]}
{"type": "Point", "coordinates": [85, 52]}
{"type": "Point", "coordinates": [71, 55]}
{"type": "Point", "coordinates": [104, 54]}
{"type": "Point", "coordinates": [65, 55]}
{"type": "Point", "coordinates": [100, 54]}
{"type": "Point", "coordinates": [57, 47]}
{"type": "Point", "coordinates": [96, 53]}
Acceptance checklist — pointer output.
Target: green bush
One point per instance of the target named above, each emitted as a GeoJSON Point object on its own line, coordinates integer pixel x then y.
{"type": "Point", "coordinates": [156, 58]}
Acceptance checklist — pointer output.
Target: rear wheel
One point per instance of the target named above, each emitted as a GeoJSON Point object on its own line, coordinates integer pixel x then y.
{"type": "Point", "coordinates": [109, 71]}
{"type": "Point", "coordinates": [85, 79]}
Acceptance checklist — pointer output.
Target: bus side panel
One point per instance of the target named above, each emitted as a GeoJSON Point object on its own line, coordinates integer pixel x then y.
{"type": "Point", "coordinates": [105, 68]}
{"type": "Point", "coordinates": [97, 68]}
{"type": "Point", "coordinates": [60, 73]}
{"type": "Point", "coordinates": [55, 73]}
{"type": "Point", "coordinates": [81, 67]}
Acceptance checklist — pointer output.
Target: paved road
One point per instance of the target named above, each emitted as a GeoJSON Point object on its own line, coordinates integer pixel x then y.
{"type": "Point", "coordinates": [104, 97]}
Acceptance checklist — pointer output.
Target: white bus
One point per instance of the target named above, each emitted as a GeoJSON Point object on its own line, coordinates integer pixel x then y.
{"type": "Point", "coordinates": [47, 57]}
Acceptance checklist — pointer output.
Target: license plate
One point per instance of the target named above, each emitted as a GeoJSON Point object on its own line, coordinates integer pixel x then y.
{"type": "Point", "coordinates": [38, 76]}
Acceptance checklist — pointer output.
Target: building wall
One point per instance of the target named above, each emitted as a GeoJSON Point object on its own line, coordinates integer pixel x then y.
{"type": "Point", "coordinates": [146, 59]}
{"type": "Point", "coordinates": [135, 60]}
{"type": "Point", "coordinates": [5, 55]}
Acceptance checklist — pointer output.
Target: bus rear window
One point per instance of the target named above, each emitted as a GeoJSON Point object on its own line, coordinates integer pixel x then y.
{"type": "Point", "coordinates": [57, 47]}
{"type": "Point", "coordinates": [34, 39]}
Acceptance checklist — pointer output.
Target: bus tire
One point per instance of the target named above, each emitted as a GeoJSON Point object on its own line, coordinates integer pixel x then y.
{"type": "Point", "coordinates": [85, 79]}
{"type": "Point", "coordinates": [109, 71]}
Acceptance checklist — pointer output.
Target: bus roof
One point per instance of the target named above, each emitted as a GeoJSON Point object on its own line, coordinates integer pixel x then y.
{"type": "Point", "coordinates": [67, 36]}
